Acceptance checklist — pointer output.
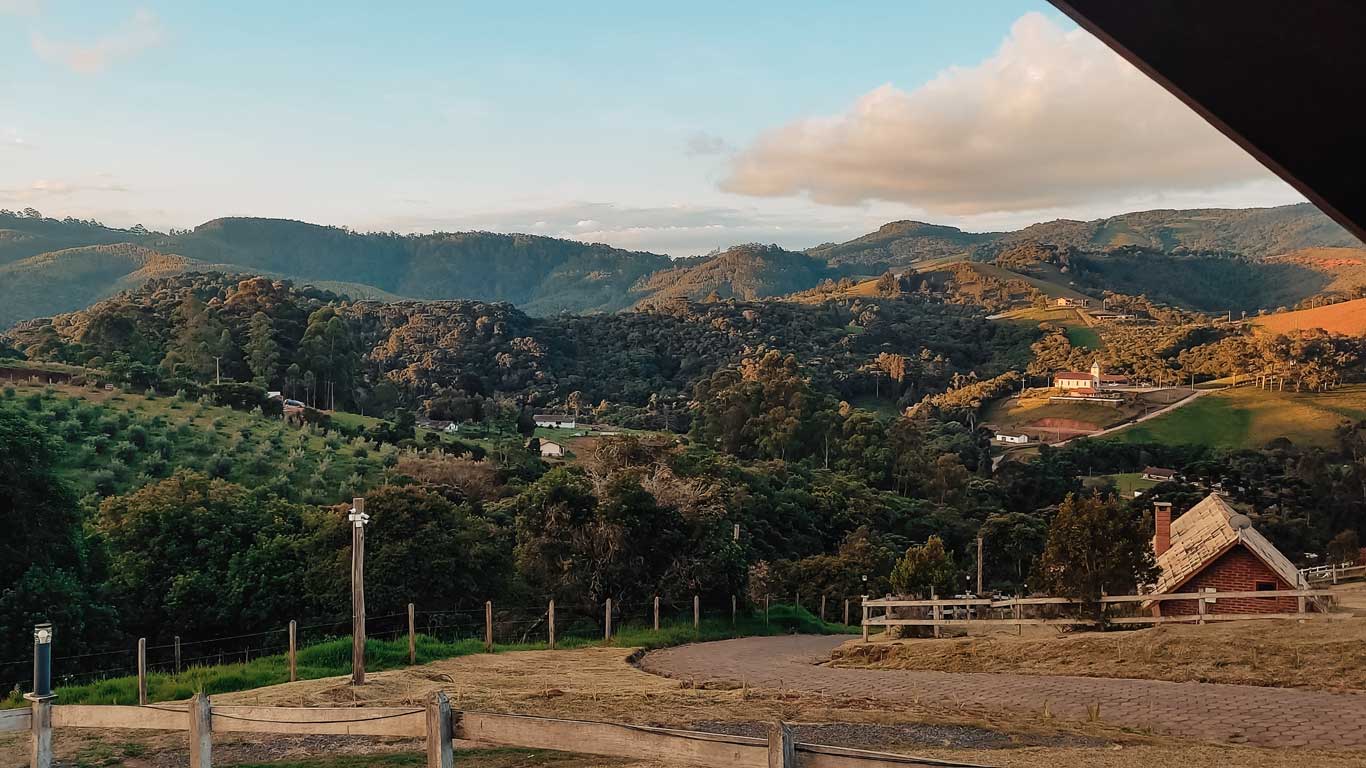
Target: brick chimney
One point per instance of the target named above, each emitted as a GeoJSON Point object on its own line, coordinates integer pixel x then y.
{"type": "Point", "coordinates": [1162, 519]}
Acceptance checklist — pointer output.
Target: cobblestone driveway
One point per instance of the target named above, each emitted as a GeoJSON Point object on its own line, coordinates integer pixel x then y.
{"type": "Point", "coordinates": [1273, 717]}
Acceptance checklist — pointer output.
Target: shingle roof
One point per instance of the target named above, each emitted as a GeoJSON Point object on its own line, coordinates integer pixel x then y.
{"type": "Point", "coordinates": [1204, 533]}
{"type": "Point", "coordinates": [1073, 375]}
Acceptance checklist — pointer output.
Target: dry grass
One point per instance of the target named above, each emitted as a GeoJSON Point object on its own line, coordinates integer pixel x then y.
{"type": "Point", "coordinates": [1325, 655]}
{"type": "Point", "coordinates": [598, 683]}
{"type": "Point", "coordinates": [1347, 317]}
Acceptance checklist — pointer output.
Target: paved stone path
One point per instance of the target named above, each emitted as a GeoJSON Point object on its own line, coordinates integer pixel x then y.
{"type": "Point", "coordinates": [1273, 717]}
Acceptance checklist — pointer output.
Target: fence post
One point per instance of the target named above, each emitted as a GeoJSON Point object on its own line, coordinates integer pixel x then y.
{"type": "Point", "coordinates": [1301, 607]}
{"type": "Point", "coordinates": [732, 610]}
{"type": "Point", "coordinates": [846, 611]}
{"type": "Point", "coordinates": [697, 611]}
{"type": "Point", "coordinates": [488, 626]}
{"type": "Point", "coordinates": [864, 603]}
{"type": "Point", "coordinates": [440, 753]}
{"type": "Point", "coordinates": [41, 730]}
{"type": "Point", "coordinates": [822, 609]}
{"type": "Point", "coordinates": [607, 623]}
{"type": "Point", "coordinates": [142, 671]}
{"type": "Point", "coordinates": [293, 650]}
{"type": "Point", "coordinates": [177, 654]}
{"type": "Point", "coordinates": [656, 613]}
{"type": "Point", "coordinates": [782, 746]}
{"type": "Point", "coordinates": [935, 612]}
{"type": "Point", "coordinates": [550, 616]}
{"type": "Point", "coordinates": [412, 633]}
{"type": "Point", "coordinates": [201, 731]}
{"type": "Point", "coordinates": [1200, 609]}
{"type": "Point", "coordinates": [765, 610]}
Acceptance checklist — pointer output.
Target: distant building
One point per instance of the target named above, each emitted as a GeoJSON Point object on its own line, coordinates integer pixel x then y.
{"type": "Point", "coordinates": [1214, 548]}
{"type": "Point", "coordinates": [554, 421]}
{"type": "Point", "coordinates": [551, 449]}
{"type": "Point", "coordinates": [1088, 382]}
{"type": "Point", "coordinates": [451, 428]}
{"type": "Point", "coordinates": [1158, 474]}
{"type": "Point", "coordinates": [1067, 301]}
{"type": "Point", "coordinates": [1014, 439]}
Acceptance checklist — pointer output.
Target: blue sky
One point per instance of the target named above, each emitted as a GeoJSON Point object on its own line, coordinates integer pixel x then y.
{"type": "Point", "coordinates": [663, 128]}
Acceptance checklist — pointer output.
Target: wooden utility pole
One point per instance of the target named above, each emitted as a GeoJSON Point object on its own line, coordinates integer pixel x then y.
{"type": "Point", "coordinates": [293, 650]}
{"type": "Point", "coordinates": [412, 633]}
{"type": "Point", "coordinates": [358, 520]}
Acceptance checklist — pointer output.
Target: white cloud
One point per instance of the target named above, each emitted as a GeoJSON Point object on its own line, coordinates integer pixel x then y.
{"type": "Point", "coordinates": [140, 32]}
{"type": "Point", "coordinates": [677, 230]}
{"type": "Point", "coordinates": [1053, 119]}
{"type": "Point", "coordinates": [49, 189]}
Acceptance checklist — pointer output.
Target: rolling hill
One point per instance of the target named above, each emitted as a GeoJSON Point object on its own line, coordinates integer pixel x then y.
{"type": "Point", "coordinates": [72, 278]}
{"type": "Point", "coordinates": [746, 272]}
{"type": "Point", "coordinates": [1348, 317]}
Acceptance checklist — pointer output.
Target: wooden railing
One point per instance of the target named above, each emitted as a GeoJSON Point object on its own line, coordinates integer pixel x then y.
{"type": "Point", "coordinates": [444, 730]}
{"type": "Point", "coordinates": [939, 613]}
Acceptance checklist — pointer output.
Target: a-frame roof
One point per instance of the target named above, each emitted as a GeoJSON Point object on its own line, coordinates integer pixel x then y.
{"type": "Point", "coordinates": [1203, 534]}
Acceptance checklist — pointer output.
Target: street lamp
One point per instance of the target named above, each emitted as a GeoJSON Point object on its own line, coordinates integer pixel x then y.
{"type": "Point", "coordinates": [42, 663]}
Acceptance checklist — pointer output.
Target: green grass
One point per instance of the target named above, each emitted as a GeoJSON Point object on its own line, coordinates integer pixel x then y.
{"type": "Point", "coordinates": [332, 658]}
{"type": "Point", "coordinates": [1125, 482]}
{"type": "Point", "coordinates": [1250, 418]}
{"type": "Point", "coordinates": [1083, 336]}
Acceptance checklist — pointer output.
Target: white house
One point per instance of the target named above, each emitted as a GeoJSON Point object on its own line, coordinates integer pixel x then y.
{"type": "Point", "coordinates": [551, 449]}
{"type": "Point", "coordinates": [554, 420]}
{"type": "Point", "coordinates": [1002, 437]}
{"type": "Point", "coordinates": [451, 428]}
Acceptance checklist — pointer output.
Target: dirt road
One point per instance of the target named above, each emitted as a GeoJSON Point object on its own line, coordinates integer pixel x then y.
{"type": "Point", "coordinates": [1271, 717]}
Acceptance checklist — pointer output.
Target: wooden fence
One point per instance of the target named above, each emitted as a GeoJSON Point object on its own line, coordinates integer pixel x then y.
{"type": "Point", "coordinates": [444, 730]}
{"type": "Point", "coordinates": [1016, 612]}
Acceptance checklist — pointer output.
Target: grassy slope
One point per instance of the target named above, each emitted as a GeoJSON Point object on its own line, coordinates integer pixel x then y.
{"type": "Point", "coordinates": [197, 433]}
{"type": "Point", "coordinates": [1014, 413]}
{"type": "Point", "coordinates": [1250, 418]}
{"type": "Point", "coordinates": [332, 658]}
{"type": "Point", "coordinates": [1348, 317]}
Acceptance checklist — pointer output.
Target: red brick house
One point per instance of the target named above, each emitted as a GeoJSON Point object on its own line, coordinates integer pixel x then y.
{"type": "Point", "coordinates": [1214, 548]}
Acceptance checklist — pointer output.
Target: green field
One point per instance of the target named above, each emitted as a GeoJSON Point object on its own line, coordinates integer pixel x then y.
{"type": "Point", "coordinates": [1250, 418]}
{"type": "Point", "coordinates": [1084, 336]}
{"type": "Point", "coordinates": [1125, 482]}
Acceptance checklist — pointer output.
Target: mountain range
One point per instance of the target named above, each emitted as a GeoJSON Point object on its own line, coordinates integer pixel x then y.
{"type": "Point", "coordinates": [49, 266]}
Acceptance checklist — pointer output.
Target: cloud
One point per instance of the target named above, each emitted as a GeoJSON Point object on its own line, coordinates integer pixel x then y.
{"type": "Point", "coordinates": [703, 143]}
{"type": "Point", "coordinates": [1053, 119]}
{"type": "Point", "coordinates": [680, 230]}
{"type": "Point", "coordinates": [135, 35]}
{"type": "Point", "coordinates": [47, 189]}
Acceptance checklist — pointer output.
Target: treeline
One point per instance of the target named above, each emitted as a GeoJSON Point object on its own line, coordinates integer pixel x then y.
{"type": "Point", "coordinates": [370, 357]}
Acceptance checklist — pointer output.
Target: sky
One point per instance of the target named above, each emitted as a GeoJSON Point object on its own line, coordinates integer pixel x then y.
{"type": "Point", "coordinates": [676, 130]}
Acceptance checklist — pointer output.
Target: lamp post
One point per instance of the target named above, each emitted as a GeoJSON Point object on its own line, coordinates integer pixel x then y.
{"type": "Point", "coordinates": [42, 663]}
{"type": "Point", "coordinates": [358, 520]}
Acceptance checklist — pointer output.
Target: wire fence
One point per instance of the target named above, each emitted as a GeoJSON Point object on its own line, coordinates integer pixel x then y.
{"type": "Point", "coordinates": [509, 625]}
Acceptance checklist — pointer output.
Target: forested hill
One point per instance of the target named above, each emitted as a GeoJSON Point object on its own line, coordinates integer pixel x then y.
{"type": "Point", "coordinates": [746, 272]}
{"type": "Point", "coordinates": [1251, 232]}
{"type": "Point", "coordinates": [300, 339]}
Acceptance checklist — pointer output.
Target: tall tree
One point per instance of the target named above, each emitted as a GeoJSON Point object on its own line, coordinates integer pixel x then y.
{"type": "Point", "coordinates": [263, 352]}
{"type": "Point", "coordinates": [1095, 546]}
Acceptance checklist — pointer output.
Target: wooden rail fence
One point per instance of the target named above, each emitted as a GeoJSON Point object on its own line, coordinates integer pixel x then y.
{"type": "Point", "coordinates": [444, 730]}
{"type": "Point", "coordinates": [939, 613]}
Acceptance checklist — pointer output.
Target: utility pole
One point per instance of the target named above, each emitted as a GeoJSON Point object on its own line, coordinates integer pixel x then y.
{"type": "Point", "coordinates": [217, 370]}
{"type": "Point", "coordinates": [358, 520]}
{"type": "Point", "coordinates": [979, 565]}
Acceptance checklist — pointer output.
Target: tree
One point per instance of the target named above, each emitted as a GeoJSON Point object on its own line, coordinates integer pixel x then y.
{"type": "Point", "coordinates": [263, 352]}
{"type": "Point", "coordinates": [1094, 546]}
{"type": "Point", "coordinates": [1344, 548]}
{"type": "Point", "coordinates": [46, 571]}
{"type": "Point", "coordinates": [923, 568]}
